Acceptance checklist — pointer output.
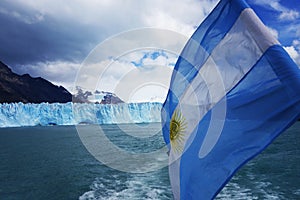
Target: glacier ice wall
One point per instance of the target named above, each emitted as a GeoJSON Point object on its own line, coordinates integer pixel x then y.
{"type": "Point", "coordinates": [19, 114]}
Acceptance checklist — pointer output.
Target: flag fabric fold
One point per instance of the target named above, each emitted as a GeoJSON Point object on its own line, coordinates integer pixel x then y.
{"type": "Point", "coordinates": [233, 90]}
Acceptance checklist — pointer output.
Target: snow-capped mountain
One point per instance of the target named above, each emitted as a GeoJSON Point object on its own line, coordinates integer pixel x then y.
{"type": "Point", "coordinates": [85, 96]}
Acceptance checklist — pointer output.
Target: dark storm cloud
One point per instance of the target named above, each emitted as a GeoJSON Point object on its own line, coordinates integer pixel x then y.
{"type": "Point", "coordinates": [47, 40]}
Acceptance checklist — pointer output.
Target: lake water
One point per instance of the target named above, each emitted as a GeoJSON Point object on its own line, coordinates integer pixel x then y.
{"type": "Point", "coordinates": [52, 163]}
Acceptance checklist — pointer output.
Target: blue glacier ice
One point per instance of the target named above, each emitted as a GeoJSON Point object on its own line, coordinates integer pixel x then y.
{"type": "Point", "coordinates": [19, 114]}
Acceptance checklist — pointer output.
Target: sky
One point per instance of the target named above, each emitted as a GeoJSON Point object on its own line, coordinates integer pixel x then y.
{"type": "Point", "coordinates": [123, 46]}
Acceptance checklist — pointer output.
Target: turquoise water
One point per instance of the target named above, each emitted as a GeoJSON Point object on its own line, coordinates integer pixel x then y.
{"type": "Point", "coordinates": [52, 163]}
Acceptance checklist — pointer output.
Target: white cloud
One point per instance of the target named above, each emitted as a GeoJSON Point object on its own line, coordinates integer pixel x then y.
{"type": "Point", "coordinates": [150, 81]}
{"type": "Point", "coordinates": [289, 15]}
{"type": "Point", "coordinates": [294, 51]}
{"type": "Point", "coordinates": [140, 85]}
{"type": "Point", "coordinates": [58, 72]}
{"type": "Point", "coordinates": [114, 16]}
{"type": "Point", "coordinates": [160, 60]}
{"type": "Point", "coordinates": [285, 13]}
{"type": "Point", "coordinates": [297, 44]}
{"type": "Point", "coordinates": [181, 16]}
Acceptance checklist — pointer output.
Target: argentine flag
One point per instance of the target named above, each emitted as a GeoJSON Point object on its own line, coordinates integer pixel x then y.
{"type": "Point", "coordinates": [233, 91]}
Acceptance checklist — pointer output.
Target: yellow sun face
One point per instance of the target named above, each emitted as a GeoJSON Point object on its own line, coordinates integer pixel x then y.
{"type": "Point", "coordinates": [177, 129]}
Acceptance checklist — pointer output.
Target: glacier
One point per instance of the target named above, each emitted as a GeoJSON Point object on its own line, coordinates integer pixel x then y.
{"type": "Point", "coordinates": [43, 114]}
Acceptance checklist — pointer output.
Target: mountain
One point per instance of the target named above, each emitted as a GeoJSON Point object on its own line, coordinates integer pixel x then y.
{"type": "Point", "coordinates": [85, 96]}
{"type": "Point", "coordinates": [26, 89]}
{"type": "Point", "coordinates": [108, 97]}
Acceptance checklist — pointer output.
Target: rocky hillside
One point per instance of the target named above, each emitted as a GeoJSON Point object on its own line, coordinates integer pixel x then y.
{"type": "Point", "coordinates": [24, 88]}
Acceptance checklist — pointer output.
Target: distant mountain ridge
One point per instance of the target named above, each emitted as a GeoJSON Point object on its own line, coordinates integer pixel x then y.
{"type": "Point", "coordinates": [101, 97]}
{"type": "Point", "coordinates": [26, 89]}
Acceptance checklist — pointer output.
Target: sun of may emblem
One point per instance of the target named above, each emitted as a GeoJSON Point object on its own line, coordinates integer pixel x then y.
{"type": "Point", "coordinates": [178, 126]}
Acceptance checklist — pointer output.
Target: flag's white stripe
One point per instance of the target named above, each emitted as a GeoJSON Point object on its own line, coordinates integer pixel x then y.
{"type": "Point", "coordinates": [232, 58]}
{"type": "Point", "coordinates": [259, 32]}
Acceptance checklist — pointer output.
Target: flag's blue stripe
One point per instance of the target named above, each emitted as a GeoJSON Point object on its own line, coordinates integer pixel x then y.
{"type": "Point", "coordinates": [207, 36]}
{"type": "Point", "coordinates": [218, 23]}
{"type": "Point", "coordinates": [262, 105]}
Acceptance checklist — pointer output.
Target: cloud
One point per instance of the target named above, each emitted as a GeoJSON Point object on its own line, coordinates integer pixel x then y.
{"type": "Point", "coordinates": [173, 15]}
{"type": "Point", "coordinates": [49, 30]}
{"type": "Point", "coordinates": [294, 51]}
{"type": "Point", "coordinates": [23, 43]}
{"type": "Point", "coordinates": [148, 58]}
{"type": "Point", "coordinates": [130, 82]}
{"type": "Point", "coordinates": [51, 38]}
{"type": "Point", "coordinates": [289, 15]}
{"type": "Point", "coordinates": [180, 16]}
{"type": "Point", "coordinates": [25, 18]}
{"type": "Point", "coordinates": [58, 72]}
{"type": "Point", "coordinates": [285, 14]}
